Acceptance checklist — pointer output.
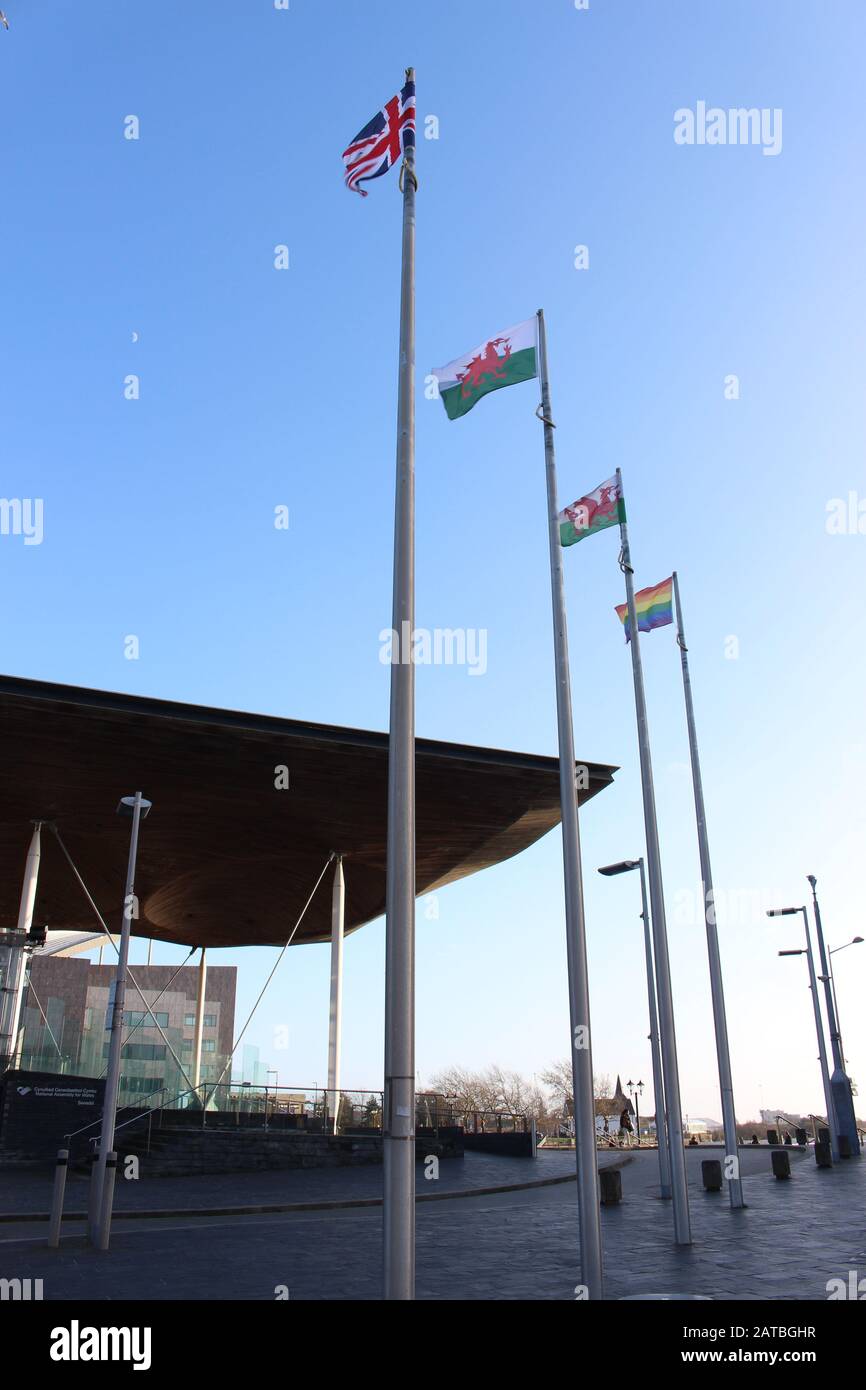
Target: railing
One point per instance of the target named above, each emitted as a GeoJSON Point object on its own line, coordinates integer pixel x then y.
{"type": "Point", "coordinates": [492, 1122]}
{"type": "Point", "coordinates": [245, 1105]}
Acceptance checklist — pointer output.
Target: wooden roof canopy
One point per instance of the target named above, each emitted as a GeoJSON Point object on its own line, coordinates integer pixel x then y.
{"type": "Point", "coordinates": [225, 859]}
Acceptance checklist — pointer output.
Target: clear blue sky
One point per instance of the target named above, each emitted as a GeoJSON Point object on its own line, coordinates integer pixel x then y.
{"type": "Point", "coordinates": [261, 387]}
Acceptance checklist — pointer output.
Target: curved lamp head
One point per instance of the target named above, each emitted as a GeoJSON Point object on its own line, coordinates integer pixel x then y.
{"type": "Point", "coordinates": [623, 867]}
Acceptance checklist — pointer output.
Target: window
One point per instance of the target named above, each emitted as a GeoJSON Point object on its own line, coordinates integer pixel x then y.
{"type": "Point", "coordinates": [137, 1019]}
{"type": "Point", "coordinates": [208, 1044]}
{"type": "Point", "coordinates": [141, 1085]}
{"type": "Point", "coordinates": [210, 1020]}
{"type": "Point", "coordinates": [189, 1020]}
{"type": "Point", "coordinates": [139, 1052]}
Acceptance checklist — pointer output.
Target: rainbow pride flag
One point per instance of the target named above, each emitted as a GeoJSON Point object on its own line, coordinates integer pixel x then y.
{"type": "Point", "coordinates": [654, 608]}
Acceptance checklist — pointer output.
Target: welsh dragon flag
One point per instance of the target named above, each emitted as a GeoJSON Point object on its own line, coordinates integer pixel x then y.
{"type": "Point", "coordinates": [505, 360]}
{"type": "Point", "coordinates": [602, 507]}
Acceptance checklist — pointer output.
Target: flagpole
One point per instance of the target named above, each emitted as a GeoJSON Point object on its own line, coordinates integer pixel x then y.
{"type": "Point", "coordinates": [679, 1183]}
{"type": "Point", "coordinates": [398, 1119]}
{"type": "Point", "coordinates": [726, 1084]}
{"type": "Point", "coordinates": [575, 926]}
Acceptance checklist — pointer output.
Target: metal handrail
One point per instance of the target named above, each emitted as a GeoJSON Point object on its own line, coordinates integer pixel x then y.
{"type": "Point", "coordinates": [142, 1115]}
{"type": "Point", "coordinates": [436, 1114]}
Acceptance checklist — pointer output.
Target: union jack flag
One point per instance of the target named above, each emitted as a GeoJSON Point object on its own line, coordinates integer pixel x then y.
{"type": "Point", "coordinates": [382, 141]}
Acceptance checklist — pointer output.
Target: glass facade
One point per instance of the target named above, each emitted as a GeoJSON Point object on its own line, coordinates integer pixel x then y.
{"type": "Point", "coordinates": [67, 1026]}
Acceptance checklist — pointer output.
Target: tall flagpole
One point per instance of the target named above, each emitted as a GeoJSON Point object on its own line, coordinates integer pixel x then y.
{"type": "Point", "coordinates": [726, 1084]}
{"type": "Point", "coordinates": [679, 1183]}
{"type": "Point", "coordinates": [575, 926]}
{"type": "Point", "coordinates": [398, 1120]}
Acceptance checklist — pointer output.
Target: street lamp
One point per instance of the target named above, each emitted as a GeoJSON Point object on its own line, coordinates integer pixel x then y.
{"type": "Point", "coordinates": [840, 1086]}
{"type": "Point", "coordinates": [635, 1090]}
{"type": "Point", "coordinates": [855, 941]}
{"type": "Point", "coordinates": [819, 1026]}
{"type": "Point", "coordinates": [611, 871]}
{"type": "Point", "coordinates": [271, 1071]}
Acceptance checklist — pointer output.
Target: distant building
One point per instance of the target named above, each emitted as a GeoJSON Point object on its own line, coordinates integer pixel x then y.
{"type": "Point", "coordinates": [249, 1070]}
{"type": "Point", "coordinates": [67, 1022]}
{"type": "Point", "coordinates": [702, 1129]}
{"type": "Point", "coordinates": [774, 1117]}
{"type": "Point", "coordinates": [608, 1112]}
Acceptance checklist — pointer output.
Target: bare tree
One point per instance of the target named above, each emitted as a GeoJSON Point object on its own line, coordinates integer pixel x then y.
{"type": "Point", "coordinates": [495, 1091]}
{"type": "Point", "coordinates": [559, 1078]}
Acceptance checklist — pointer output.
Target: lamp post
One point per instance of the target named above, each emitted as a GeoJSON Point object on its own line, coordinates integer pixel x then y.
{"type": "Point", "coordinates": [855, 941]}
{"type": "Point", "coordinates": [271, 1071]}
{"type": "Point", "coordinates": [610, 871]}
{"type": "Point", "coordinates": [819, 1026]}
{"type": "Point", "coordinates": [840, 1085]}
{"type": "Point", "coordinates": [635, 1090]}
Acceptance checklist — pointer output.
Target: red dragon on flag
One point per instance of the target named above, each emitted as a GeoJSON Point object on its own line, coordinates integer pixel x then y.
{"type": "Point", "coordinates": [602, 507]}
{"type": "Point", "coordinates": [488, 363]}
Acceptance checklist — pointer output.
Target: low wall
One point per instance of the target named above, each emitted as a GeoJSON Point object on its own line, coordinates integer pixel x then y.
{"type": "Point", "coordinates": [512, 1144]}
{"type": "Point", "coordinates": [176, 1152]}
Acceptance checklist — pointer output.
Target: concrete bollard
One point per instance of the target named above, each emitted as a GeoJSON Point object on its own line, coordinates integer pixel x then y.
{"type": "Point", "coordinates": [823, 1156]}
{"type": "Point", "coordinates": [711, 1173]}
{"type": "Point", "coordinates": [60, 1171]}
{"type": "Point", "coordinates": [610, 1183]}
{"type": "Point", "coordinates": [844, 1146]}
{"type": "Point", "coordinates": [801, 1138]}
{"type": "Point", "coordinates": [781, 1164]}
{"type": "Point", "coordinates": [772, 1136]}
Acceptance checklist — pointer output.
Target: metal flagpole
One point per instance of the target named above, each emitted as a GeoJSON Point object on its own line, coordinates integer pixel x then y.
{"type": "Point", "coordinates": [398, 1120]}
{"type": "Point", "coordinates": [575, 927]}
{"type": "Point", "coordinates": [102, 1216]}
{"type": "Point", "coordinates": [679, 1183]}
{"type": "Point", "coordinates": [658, 1074]}
{"type": "Point", "coordinates": [726, 1084]}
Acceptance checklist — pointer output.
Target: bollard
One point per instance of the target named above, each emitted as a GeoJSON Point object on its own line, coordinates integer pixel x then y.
{"type": "Point", "coordinates": [772, 1136]}
{"type": "Point", "coordinates": [823, 1156]}
{"type": "Point", "coordinates": [801, 1138]}
{"type": "Point", "coordinates": [103, 1235]}
{"type": "Point", "coordinates": [60, 1172]}
{"type": "Point", "coordinates": [711, 1173]}
{"type": "Point", "coordinates": [781, 1164]}
{"type": "Point", "coordinates": [610, 1182]}
{"type": "Point", "coordinates": [844, 1146]}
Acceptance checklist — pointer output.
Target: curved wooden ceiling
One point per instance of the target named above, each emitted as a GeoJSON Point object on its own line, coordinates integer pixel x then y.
{"type": "Point", "coordinates": [225, 859]}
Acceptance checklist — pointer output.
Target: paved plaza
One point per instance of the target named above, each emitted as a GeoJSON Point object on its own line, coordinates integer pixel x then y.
{"type": "Point", "coordinates": [519, 1244]}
